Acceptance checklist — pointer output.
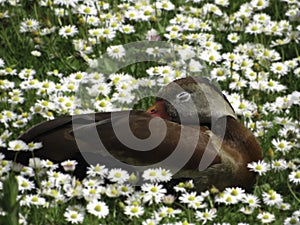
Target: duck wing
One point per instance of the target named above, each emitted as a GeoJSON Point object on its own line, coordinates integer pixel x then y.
{"type": "Point", "coordinates": [129, 139]}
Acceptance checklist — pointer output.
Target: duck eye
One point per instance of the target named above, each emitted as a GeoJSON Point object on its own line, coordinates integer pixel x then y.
{"type": "Point", "coordinates": [183, 96]}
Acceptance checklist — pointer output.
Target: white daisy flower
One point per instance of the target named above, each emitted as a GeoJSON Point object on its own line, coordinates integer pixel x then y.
{"type": "Point", "coordinates": [68, 31]}
{"type": "Point", "coordinates": [116, 51]}
{"type": "Point", "coordinates": [192, 200]}
{"type": "Point", "coordinates": [98, 208]}
{"type": "Point", "coordinates": [97, 170]}
{"type": "Point", "coordinates": [233, 38]}
{"type": "Point", "coordinates": [259, 167]}
{"type": "Point", "coordinates": [266, 217]}
{"type": "Point", "coordinates": [25, 184]}
{"type": "Point", "coordinates": [73, 216]}
{"type": "Point", "coordinates": [207, 215]}
{"type": "Point", "coordinates": [294, 177]}
{"type": "Point", "coordinates": [32, 199]}
{"type": "Point", "coordinates": [134, 211]}
{"type": "Point", "coordinates": [251, 200]}
{"type": "Point", "coordinates": [272, 198]}
{"type": "Point", "coordinates": [118, 175]}
{"type": "Point", "coordinates": [69, 165]}
{"type": "Point", "coordinates": [153, 193]}
{"type": "Point", "coordinates": [29, 25]}
{"type": "Point", "coordinates": [17, 145]}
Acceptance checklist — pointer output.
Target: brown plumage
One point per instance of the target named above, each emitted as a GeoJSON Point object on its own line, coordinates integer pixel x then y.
{"type": "Point", "coordinates": [227, 146]}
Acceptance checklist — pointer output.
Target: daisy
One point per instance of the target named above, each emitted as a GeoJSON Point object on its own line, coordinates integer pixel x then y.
{"type": "Point", "coordinates": [97, 170]}
{"type": "Point", "coordinates": [165, 5]}
{"type": "Point", "coordinates": [103, 105]}
{"type": "Point", "coordinates": [92, 182]}
{"type": "Point", "coordinates": [17, 145]}
{"type": "Point", "coordinates": [168, 212]}
{"type": "Point", "coordinates": [48, 164]}
{"type": "Point", "coordinates": [123, 97]}
{"type": "Point", "coordinates": [87, 10]}
{"type": "Point", "coordinates": [165, 175]}
{"type": "Point", "coordinates": [92, 193]}
{"type": "Point", "coordinates": [93, 20]}
{"type": "Point", "coordinates": [113, 190]}
{"type": "Point", "coordinates": [293, 220]}
{"type": "Point", "coordinates": [153, 193]}
{"type": "Point", "coordinates": [58, 178]}
{"type": "Point", "coordinates": [116, 51]}
{"type": "Point", "coordinates": [233, 38]}
{"type": "Point", "coordinates": [279, 68]}
{"type": "Point", "coordinates": [238, 84]}
{"type": "Point", "coordinates": [294, 177]}
{"type": "Point", "coordinates": [27, 74]}
{"type": "Point", "coordinates": [212, 8]}
{"type": "Point", "coordinates": [259, 4]}
{"type": "Point", "coordinates": [192, 200]}
{"type": "Point", "coordinates": [68, 31]}
{"type": "Point", "coordinates": [237, 192]}
{"type": "Point", "coordinates": [266, 217]}
{"type": "Point", "coordinates": [223, 3]}
{"type": "Point", "coordinates": [227, 199]}
{"type": "Point", "coordinates": [133, 211]}
{"type": "Point", "coordinates": [69, 165]}
{"type": "Point", "coordinates": [147, 12]}
{"type": "Point", "coordinates": [254, 28]}
{"type": "Point", "coordinates": [118, 175]}
{"type": "Point", "coordinates": [151, 174]}
{"type": "Point", "coordinates": [293, 63]}
{"type": "Point", "coordinates": [173, 35]}
{"type": "Point", "coordinates": [73, 216]}
{"type": "Point", "coordinates": [34, 145]}
{"type": "Point", "coordinates": [99, 88]}
{"type": "Point", "coordinates": [279, 164]}
{"type": "Point", "coordinates": [251, 200]}
{"type": "Point", "coordinates": [152, 35]}
{"type": "Point", "coordinates": [36, 53]}
{"type": "Point", "coordinates": [98, 208]}
{"type": "Point", "coordinates": [32, 199]}
{"type": "Point", "coordinates": [132, 14]}
{"type": "Point", "coordinates": [67, 3]}
{"type": "Point", "coordinates": [282, 145]}
{"type": "Point", "coordinates": [243, 63]}
{"type": "Point", "coordinates": [29, 25]}
{"type": "Point", "coordinates": [150, 222]}
{"type": "Point", "coordinates": [259, 167]}
{"type": "Point", "coordinates": [210, 56]}
{"type": "Point", "coordinates": [262, 18]}
{"type": "Point", "coordinates": [60, 12]}
{"type": "Point", "coordinates": [247, 210]}
{"type": "Point", "coordinates": [127, 29]}
{"type": "Point", "coordinates": [126, 190]}
{"type": "Point", "coordinates": [169, 199]}
{"type": "Point", "coordinates": [25, 184]}
{"type": "Point", "coordinates": [272, 198]}
{"type": "Point", "coordinates": [220, 73]}
{"type": "Point", "coordinates": [207, 215]}
{"type": "Point", "coordinates": [273, 86]}
{"type": "Point", "coordinates": [195, 66]}
{"type": "Point", "coordinates": [284, 206]}
{"type": "Point", "coordinates": [107, 34]}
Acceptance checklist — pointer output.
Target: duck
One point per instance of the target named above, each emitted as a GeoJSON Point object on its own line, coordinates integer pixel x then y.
{"type": "Point", "coordinates": [191, 130]}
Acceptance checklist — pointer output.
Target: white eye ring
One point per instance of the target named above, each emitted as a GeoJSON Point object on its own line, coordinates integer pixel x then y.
{"type": "Point", "coordinates": [183, 96]}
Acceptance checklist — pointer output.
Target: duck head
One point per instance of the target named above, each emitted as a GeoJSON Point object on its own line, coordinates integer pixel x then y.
{"type": "Point", "coordinates": [191, 100]}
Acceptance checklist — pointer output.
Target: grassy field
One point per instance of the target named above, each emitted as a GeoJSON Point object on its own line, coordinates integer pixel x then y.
{"type": "Point", "coordinates": [48, 48]}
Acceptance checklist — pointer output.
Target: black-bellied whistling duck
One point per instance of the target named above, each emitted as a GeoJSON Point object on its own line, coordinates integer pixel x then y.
{"type": "Point", "coordinates": [191, 130]}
